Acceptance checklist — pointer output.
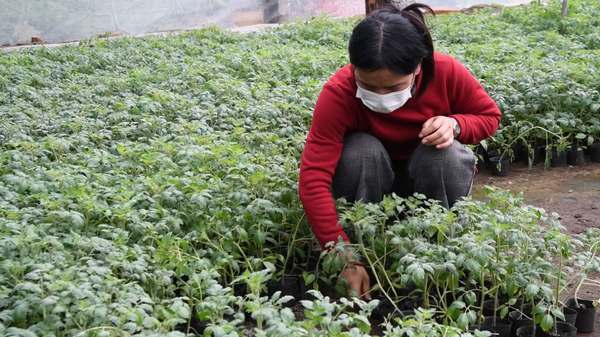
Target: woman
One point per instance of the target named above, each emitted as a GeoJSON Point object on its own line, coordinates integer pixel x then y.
{"type": "Point", "coordinates": [393, 120]}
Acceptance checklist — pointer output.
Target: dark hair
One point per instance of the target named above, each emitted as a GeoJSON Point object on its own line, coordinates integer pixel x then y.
{"type": "Point", "coordinates": [394, 39]}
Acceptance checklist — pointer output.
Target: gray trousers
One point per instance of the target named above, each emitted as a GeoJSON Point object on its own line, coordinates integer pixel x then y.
{"type": "Point", "coordinates": [366, 172]}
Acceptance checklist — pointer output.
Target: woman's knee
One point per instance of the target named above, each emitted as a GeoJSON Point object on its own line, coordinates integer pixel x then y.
{"type": "Point", "coordinates": [364, 170]}
{"type": "Point", "coordinates": [361, 146]}
{"type": "Point", "coordinates": [456, 157]}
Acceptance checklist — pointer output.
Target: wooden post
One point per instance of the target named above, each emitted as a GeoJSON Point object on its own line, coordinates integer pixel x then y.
{"type": "Point", "coordinates": [565, 8]}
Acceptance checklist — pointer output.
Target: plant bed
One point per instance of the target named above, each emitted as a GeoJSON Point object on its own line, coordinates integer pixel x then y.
{"type": "Point", "coordinates": [586, 314]}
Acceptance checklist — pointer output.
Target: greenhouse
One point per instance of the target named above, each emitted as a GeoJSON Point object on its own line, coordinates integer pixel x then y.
{"type": "Point", "coordinates": [344, 168]}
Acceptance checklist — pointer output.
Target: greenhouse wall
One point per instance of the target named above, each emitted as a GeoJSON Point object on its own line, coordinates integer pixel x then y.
{"type": "Point", "coordinates": [27, 21]}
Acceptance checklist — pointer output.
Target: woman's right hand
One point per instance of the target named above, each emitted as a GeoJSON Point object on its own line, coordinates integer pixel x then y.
{"type": "Point", "coordinates": [358, 280]}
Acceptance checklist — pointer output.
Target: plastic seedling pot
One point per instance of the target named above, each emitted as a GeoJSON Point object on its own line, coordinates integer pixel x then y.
{"type": "Point", "coordinates": [240, 289]}
{"type": "Point", "coordinates": [499, 167]}
{"type": "Point", "coordinates": [518, 320]}
{"type": "Point", "coordinates": [539, 154]}
{"type": "Point", "coordinates": [520, 152]}
{"type": "Point", "coordinates": [527, 331]}
{"type": "Point", "coordinates": [385, 308]}
{"type": "Point", "coordinates": [570, 315]}
{"type": "Point", "coordinates": [289, 285]}
{"type": "Point", "coordinates": [586, 314]}
{"type": "Point", "coordinates": [502, 327]}
{"type": "Point", "coordinates": [576, 157]}
{"type": "Point", "coordinates": [595, 152]}
{"type": "Point", "coordinates": [559, 158]}
{"type": "Point", "coordinates": [563, 329]}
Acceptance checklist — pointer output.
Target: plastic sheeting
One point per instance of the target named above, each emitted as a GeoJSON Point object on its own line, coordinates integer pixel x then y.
{"type": "Point", "coordinates": [67, 20]}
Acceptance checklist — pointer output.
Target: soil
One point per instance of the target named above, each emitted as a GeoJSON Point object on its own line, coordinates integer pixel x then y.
{"type": "Point", "coordinates": [573, 192]}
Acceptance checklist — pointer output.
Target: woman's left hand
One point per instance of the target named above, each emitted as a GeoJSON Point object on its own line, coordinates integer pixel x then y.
{"type": "Point", "coordinates": [438, 131]}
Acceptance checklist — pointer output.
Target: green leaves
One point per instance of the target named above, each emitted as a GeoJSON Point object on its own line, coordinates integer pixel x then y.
{"type": "Point", "coordinates": [532, 290]}
{"type": "Point", "coordinates": [547, 322]}
{"type": "Point", "coordinates": [140, 178]}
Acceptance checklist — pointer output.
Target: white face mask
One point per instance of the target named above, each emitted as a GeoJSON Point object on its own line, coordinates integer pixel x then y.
{"type": "Point", "coordinates": [384, 103]}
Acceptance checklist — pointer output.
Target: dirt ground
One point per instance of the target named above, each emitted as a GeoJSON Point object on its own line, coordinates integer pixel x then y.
{"type": "Point", "coordinates": [572, 192]}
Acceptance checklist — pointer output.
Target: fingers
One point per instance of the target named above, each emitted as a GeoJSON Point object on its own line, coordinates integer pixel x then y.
{"type": "Point", "coordinates": [429, 126]}
{"type": "Point", "coordinates": [355, 289]}
{"type": "Point", "coordinates": [357, 281]}
{"type": "Point", "coordinates": [441, 135]}
{"type": "Point", "coordinates": [353, 283]}
{"type": "Point", "coordinates": [366, 287]}
{"type": "Point", "coordinates": [438, 132]}
{"type": "Point", "coordinates": [445, 144]}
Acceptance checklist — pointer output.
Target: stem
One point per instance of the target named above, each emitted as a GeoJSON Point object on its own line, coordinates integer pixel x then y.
{"type": "Point", "coordinates": [189, 323]}
{"type": "Point", "coordinates": [533, 317]}
{"type": "Point", "coordinates": [498, 241]}
{"type": "Point", "coordinates": [383, 270]}
{"type": "Point", "coordinates": [291, 244]}
{"type": "Point", "coordinates": [426, 294]}
{"type": "Point", "coordinates": [482, 285]}
{"type": "Point", "coordinates": [560, 261]}
{"type": "Point", "coordinates": [584, 278]}
{"type": "Point", "coordinates": [238, 247]}
{"type": "Point", "coordinates": [377, 277]}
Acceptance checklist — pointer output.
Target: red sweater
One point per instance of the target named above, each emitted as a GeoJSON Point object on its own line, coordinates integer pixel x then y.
{"type": "Point", "coordinates": [453, 91]}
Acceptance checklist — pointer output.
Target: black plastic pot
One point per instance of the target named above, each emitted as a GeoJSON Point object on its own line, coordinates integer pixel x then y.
{"type": "Point", "coordinates": [289, 285]}
{"type": "Point", "coordinates": [527, 331]}
{"type": "Point", "coordinates": [482, 156]}
{"type": "Point", "coordinates": [240, 289]}
{"type": "Point", "coordinates": [595, 152]}
{"type": "Point", "coordinates": [570, 315]}
{"type": "Point", "coordinates": [488, 307]}
{"type": "Point", "coordinates": [196, 326]}
{"type": "Point", "coordinates": [563, 329]}
{"type": "Point", "coordinates": [499, 167]}
{"type": "Point", "coordinates": [539, 154]}
{"type": "Point", "coordinates": [474, 327]}
{"type": "Point", "coordinates": [502, 327]}
{"type": "Point", "coordinates": [586, 314]}
{"type": "Point", "coordinates": [385, 309]}
{"type": "Point", "coordinates": [559, 158]}
{"type": "Point", "coordinates": [520, 153]}
{"type": "Point", "coordinates": [576, 156]}
{"type": "Point", "coordinates": [518, 320]}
